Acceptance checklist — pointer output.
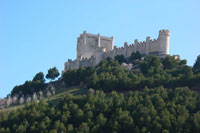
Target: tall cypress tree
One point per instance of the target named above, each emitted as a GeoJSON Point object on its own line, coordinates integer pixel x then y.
{"type": "Point", "coordinates": [196, 67]}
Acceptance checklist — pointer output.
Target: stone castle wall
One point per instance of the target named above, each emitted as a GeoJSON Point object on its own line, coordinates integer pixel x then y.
{"type": "Point", "coordinates": [88, 44]}
{"type": "Point", "coordinates": [92, 53]}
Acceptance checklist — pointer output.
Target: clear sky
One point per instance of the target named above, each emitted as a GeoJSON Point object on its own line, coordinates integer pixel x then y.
{"type": "Point", "coordinates": [38, 34]}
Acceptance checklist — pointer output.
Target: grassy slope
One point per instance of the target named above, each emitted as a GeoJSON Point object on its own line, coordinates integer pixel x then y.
{"type": "Point", "coordinates": [60, 93]}
{"type": "Point", "coordinates": [75, 90]}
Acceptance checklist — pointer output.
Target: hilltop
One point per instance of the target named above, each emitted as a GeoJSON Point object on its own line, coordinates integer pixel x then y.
{"type": "Point", "coordinates": [121, 74]}
{"type": "Point", "coordinates": [108, 96]}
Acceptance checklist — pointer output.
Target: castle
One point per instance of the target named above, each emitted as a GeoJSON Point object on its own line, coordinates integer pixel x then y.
{"type": "Point", "coordinates": [92, 49]}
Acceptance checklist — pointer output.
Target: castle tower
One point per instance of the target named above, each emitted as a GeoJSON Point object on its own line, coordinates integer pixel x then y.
{"type": "Point", "coordinates": [148, 39]}
{"type": "Point", "coordinates": [88, 44]}
{"type": "Point", "coordinates": [164, 36]}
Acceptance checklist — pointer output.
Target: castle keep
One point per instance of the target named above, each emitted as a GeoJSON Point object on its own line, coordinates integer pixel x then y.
{"type": "Point", "coordinates": [92, 49]}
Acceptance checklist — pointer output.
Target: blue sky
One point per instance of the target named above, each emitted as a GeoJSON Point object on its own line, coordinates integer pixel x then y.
{"type": "Point", "coordinates": [38, 34]}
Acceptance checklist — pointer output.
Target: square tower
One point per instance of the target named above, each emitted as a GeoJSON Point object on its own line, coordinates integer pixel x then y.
{"type": "Point", "coordinates": [88, 44]}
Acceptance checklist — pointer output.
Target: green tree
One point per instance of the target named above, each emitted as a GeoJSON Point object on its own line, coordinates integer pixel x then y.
{"type": "Point", "coordinates": [37, 82]}
{"type": "Point", "coordinates": [150, 62]}
{"type": "Point", "coordinates": [196, 67]}
{"type": "Point", "coordinates": [196, 122]}
{"type": "Point", "coordinates": [70, 128]}
{"type": "Point", "coordinates": [30, 87]}
{"type": "Point", "coordinates": [101, 122]}
{"type": "Point", "coordinates": [83, 128]}
{"type": "Point", "coordinates": [187, 71]}
{"type": "Point", "coordinates": [135, 56]}
{"type": "Point", "coordinates": [183, 62]}
{"type": "Point", "coordinates": [39, 77]}
{"type": "Point", "coordinates": [125, 121]}
{"type": "Point", "coordinates": [21, 129]}
{"type": "Point", "coordinates": [120, 58]}
{"type": "Point", "coordinates": [3, 130]}
{"type": "Point", "coordinates": [59, 127]}
{"type": "Point", "coordinates": [52, 73]}
{"type": "Point", "coordinates": [65, 117]}
{"type": "Point", "coordinates": [170, 62]}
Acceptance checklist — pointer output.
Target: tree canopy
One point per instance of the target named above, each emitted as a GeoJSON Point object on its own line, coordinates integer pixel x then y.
{"type": "Point", "coordinates": [29, 87]}
{"type": "Point", "coordinates": [120, 58]}
{"type": "Point", "coordinates": [52, 73]}
{"type": "Point", "coordinates": [151, 72]}
{"type": "Point", "coordinates": [121, 100]}
{"type": "Point", "coordinates": [135, 56]}
{"type": "Point", "coordinates": [150, 110]}
{"type": "Point", "coordinates": [196, 67]}
{"type": "Point", "coordinates": [39, 77]}
{"type": "Point", "coordinates": [109, 75]}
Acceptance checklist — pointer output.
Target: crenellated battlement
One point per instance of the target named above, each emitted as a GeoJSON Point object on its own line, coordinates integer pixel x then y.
{"type": "Point", "coordinates": [94, 35]}
{"type": "Point", "coordinates": [165, 32]}
{"type": "Point", "coordinates": [92, 49]}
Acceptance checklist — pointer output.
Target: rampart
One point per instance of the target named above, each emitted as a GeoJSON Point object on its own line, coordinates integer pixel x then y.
{"type": "Point", "coordinates": [159, 47]}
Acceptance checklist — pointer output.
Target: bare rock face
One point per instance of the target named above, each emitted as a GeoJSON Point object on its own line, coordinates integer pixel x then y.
{"type": "Point", "coordinates": [127, 66]}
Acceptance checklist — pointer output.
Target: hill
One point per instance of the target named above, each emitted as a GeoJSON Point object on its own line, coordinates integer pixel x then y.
{"type": "Point", "coordinates": [120, 98]}
{"type": "Point", "coordinates": [149, 110]}
{"type": "Point", "coordinates": [54, 99]}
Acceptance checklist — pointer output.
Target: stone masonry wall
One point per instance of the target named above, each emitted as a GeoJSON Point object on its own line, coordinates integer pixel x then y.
{"type": "Point", "coordinates": [158, 46]}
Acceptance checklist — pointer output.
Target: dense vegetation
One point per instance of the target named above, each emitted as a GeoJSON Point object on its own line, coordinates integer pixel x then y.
{"type": "Point", "coordinates": [150, 110]}
{"type": "Point", "coordinates": [35, 85]}
{"type": "Point", "coordinates": [125, 104]}
{"type": "Point", "coordinates": [29, 87]}
{"type": "Point", "coordinates": [151, 72]}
